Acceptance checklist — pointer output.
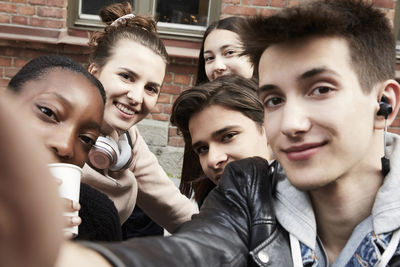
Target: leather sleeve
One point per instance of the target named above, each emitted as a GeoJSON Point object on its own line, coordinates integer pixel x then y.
{"type": "Point", "coordinates": [218, 236]}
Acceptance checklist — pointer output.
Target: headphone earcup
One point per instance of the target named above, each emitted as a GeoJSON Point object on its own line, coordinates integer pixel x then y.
{"type": "Point", "coordinates": [125, 156]}
{"type": "Point", "coordinates": [385, 109]}
{"type": "Point", "coordinates": [104, 153]}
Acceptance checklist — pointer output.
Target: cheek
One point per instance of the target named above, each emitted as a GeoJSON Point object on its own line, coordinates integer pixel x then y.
{"type": "Point", "coordinates": [149, 103]}
{"type": "Point", "coordinates": [208, 72]}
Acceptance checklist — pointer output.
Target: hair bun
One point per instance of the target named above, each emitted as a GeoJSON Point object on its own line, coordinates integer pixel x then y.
{"type": "Point", "coordinates": [120, 15]}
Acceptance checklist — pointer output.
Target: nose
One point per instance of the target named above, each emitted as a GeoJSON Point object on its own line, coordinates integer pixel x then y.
{"type": "Point", "coordinates": [62, 145]}
{"type": "Point", "coordinates": [219, 64]}
{"type": "Point", "coordinates": [295, 119]}
{"type": "Point", "coordinates": [136, 94]}
{"type": "Point", "coordinates": [216, 157]}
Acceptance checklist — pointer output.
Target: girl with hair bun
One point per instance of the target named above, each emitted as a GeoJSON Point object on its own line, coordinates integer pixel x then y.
{"type": "Point", "coordinates": [129, 59]}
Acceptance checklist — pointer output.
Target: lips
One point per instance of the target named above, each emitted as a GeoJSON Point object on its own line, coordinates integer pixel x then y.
{"type": "Point", "coordinates": [125, 109]}
{"type": "Point", "coordinates": [304, 151]}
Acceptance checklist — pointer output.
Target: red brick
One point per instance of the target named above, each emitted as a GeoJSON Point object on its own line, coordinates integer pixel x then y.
{"type": "Point", "coordinates": [246, 2]}
{"type": "Point", "coordinates": [171, 89]}
{"type": "Point", "coordinates": [8, 8]}
{"type": "Point", "coordinates": [168, 78]}
{"type": "Point", "coordinates": [51, 12]}
{"type": "Point", "coordinates": [173, 131]}
{"type": "Point", "coordinates": [37, 2]}
{"type": "Point", "coordinates": [231, 1]}
{"type": "Point", "coordinates": [394, 130]}
{"type": "Point", "coordinates": [268, 12]}
{"type": "Point", "coordinates": [157, 108]}
{"type": "Point", "coordinates": [176, 141]}
{"type": "Point", "coordinates": [238, 10]}
{"type": "Point", "coordinates": [293, 2]}
{"type": "Point", "coordinates": [182, 79]}
{"type": "Point", "coordinates": [26, 10]}
{"type": "Point", "coordinates": [278, 3]}
{"type": "Point", "coordinates": [76, 49]}
{"type": "Point", "coordinates": [260, 2]}
{"type": "Point", "coordinates": [183, 60]}
{"type": "Point", "coordinates": [167, 109]}
{"type": "Point", "coordinates": [160, 117]}
{"type": "Point", "coordinates": [4, 82]}
{"type": "Point", "coordinates": [19, 20]}
{"type": "Point", "coordinates": [384, 3]}
{"type": "Point", "coordinates": [163, 98]}
{"type": "Point", "coordinates": [78, 33]}
{"type": "Point", "coordinates": [181, 69]}
{"type": "Point", "coordinates": [18, 1]}
{"type": "Point", "coordinates": [396, 123]}
{"type": "Point", "coordinates": [29, 53]}
{"type": "Point", "coordinates": [5, 61]}
{"type": "Point", "coordinates": [4, 18]}
{"type": "Point", "coordinates": [19, 62]}
{"type": "Point", "coordinates": [57, 3]}
{"type": "Point", "coordinates": [46, 23]}
{"type": "Point", "coordinates": [10, 72]}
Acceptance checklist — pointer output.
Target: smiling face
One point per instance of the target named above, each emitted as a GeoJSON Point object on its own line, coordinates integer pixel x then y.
{"type": "Point", "coordinates": [221, 135]}
{"type": "Point", "coordinates": [319, 122]}
{"type": "Point", "coordinates": [132, 79]}
{"type": "Point", "coordinates": [66, 115]}
{"type": "Point", "coordinates": [221, 55]}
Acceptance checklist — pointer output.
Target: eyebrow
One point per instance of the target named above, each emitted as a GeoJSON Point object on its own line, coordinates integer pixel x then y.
{"type": "Point", "coordinates": [222, 48]}
{"type": "Point", "coordinates": [216, 134]}
{"type": "Point", "coordinates": [134, 74]}
{"type": "Point", "coordinates": [306, 75]}
{"type": "Point", "coordinates": [90, 124]}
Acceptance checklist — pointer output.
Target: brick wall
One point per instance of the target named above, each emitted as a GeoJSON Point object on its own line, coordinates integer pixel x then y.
{"type": "Point", "coordinates": [49, 16]}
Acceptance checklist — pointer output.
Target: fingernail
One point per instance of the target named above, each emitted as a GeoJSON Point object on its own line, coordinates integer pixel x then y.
{"type": "Point", "coordinates": [76, 220]}
{"type": "Point", "coordinates": [76, 205]}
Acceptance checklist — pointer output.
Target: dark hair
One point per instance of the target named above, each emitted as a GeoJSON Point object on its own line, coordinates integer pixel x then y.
{"type": "Point", "coordinates": [39, 66]}
{"type": "Point", "coordinates": [366, 29]}
{"type": "Point", "coordinates": [230, 24]}
{"type": "Point", "coordinates": [233, 92]}
{"type": "Point", "coordinates": [136, 28]}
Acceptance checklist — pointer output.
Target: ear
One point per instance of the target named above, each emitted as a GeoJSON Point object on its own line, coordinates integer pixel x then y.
{"type": "Point", "coordinates": [94, 70]}
{"type": "Point", "coordinates": [391, 90]}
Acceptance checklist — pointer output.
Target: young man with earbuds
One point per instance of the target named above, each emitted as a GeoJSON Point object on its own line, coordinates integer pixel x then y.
{"type": "Point", "coordinates": [326, 80]}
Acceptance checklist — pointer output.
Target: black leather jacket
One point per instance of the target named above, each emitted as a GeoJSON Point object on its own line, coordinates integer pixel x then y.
{"type": "Point", "coordinates": [235, 227]}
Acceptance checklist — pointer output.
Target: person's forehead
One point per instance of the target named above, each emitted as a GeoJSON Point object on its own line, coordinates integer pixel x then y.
{"type": "Point", "coordinates": [291, 59]}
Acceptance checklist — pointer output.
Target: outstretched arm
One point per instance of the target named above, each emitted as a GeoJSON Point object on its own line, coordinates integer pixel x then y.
{"type": "Point", "coordinates": [30, 210]}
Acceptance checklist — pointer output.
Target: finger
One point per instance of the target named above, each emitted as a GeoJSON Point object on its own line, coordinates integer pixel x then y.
{"type": "Point", "coordinates": [70, 221]}
{"type": "Point", "coordinates": [70, 205]}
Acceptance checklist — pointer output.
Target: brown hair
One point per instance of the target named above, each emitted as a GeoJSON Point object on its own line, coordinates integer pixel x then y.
{"type": "Point", "coordinates": [232, 92]}
{"type": "Point", "coordinates": [366, 29]}
{"type": "Point", "coordinates": [136, 28]}
{"type": "Point", "coordinates": [229, 24]}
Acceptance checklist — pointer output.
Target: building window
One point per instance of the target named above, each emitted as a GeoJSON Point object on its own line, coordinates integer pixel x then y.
{"type": "Point", "coordinates": [178, 19]}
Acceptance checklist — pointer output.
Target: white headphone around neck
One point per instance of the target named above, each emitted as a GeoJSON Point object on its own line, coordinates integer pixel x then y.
{"type": "Point", "coordinates": [107, 154]}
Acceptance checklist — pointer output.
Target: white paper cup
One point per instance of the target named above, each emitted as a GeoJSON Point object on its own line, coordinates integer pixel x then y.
{"type": "Point", "coordinates": [70, 175]}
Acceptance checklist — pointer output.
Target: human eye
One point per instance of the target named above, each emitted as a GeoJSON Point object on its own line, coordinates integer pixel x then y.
{"type": "Point", "coordinates": [272, 102]}
{"type": "Point", "coordinates": [152, 89]}
{"type": "Point", "coordinates": [321, 90]}
{"type": "Point", "coordinates": [227, 137]}
{"type": "Point", "coordinates": [208, 58]}
{"type": "Point", "coordinates": [48, 112]}
{"type": "Point", "coordinates": [126, 76]}
{"type": "Point", "coordinates": [87, 140]}
{"type": "Point", "coordinates": [201, 150]}
{"type": "Point", "coordinates": [230, 52]}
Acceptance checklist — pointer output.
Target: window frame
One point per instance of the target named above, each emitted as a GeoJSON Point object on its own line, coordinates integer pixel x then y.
{"type": "Point", "coordinates": [166, 30]}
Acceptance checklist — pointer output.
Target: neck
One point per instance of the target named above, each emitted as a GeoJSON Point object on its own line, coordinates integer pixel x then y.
{"type": "Point", "coordinates": [341, 205]}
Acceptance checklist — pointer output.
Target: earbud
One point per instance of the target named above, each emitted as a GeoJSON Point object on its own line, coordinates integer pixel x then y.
{"type": "Point", "coordinates": [384, 110]}
{"type": "Point", "coordinates": [384, 107]}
